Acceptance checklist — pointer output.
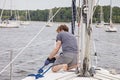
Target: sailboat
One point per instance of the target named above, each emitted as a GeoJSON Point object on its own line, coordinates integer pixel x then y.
{"type": "Point", "coordinates": [26, 22]}
{"type": "Point", "coordinates": [8, 23]}
{"type": "Point", "coordinates": [86, 70]}
{"type": "Point", "coordinates": [111, 28]}
{"type": "Point", "coordinates": [101, 24]}
{"type": "Point", "coordinates": [49, 23]}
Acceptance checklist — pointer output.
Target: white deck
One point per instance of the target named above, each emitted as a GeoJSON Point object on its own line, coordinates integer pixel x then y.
{"type": "Point", "coordinates": [61, 75]}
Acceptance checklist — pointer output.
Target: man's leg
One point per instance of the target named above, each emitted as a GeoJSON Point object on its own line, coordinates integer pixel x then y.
{"type": "Point", "coordinates": [71, 67]}
{"type": "Point", "coordinates": [59, 67]}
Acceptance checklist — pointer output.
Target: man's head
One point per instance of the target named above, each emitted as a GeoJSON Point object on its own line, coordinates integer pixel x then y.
{"type": "Point", "coordinates": [62, 28]}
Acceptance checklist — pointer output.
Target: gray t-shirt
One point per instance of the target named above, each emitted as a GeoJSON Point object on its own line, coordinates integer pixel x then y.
{"type": "Point", "coordinates": [69, 42]}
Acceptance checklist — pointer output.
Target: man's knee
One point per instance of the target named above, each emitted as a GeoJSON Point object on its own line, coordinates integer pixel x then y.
{"type": "Point", "coordinates": [54, 69]}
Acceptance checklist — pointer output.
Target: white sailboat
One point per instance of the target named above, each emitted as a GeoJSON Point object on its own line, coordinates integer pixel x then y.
{"type": "Point", "coordinates": [27, 21]}
{"type": "Point", "coordinates": [86, 71]}
{"type": "Point", "coordinates": [8, 23]}
{"type": "Point", "coordinates": [101, 24]}
{"type": "Point", "coordinates": [111, 28]}
{"type": "Point", "coordinates": [49, 23]}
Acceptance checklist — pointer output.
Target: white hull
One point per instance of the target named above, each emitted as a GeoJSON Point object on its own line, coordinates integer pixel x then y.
{"type": "Point", "coordinates": [49, 24]}
{"type": "Point", "coordinates": [111, 29]}
{"type": "Point", "coordinates": [24, 23]}
{"type": "Point", "coordinates": [99, 25]}
{"type": "Point", "coordinates": [9, 24]}
{"type": "Point", "coordinates": [101, 74]}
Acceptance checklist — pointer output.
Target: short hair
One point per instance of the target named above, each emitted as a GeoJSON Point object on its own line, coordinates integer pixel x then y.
{"type": "Point", "coordinates": [62, 27]}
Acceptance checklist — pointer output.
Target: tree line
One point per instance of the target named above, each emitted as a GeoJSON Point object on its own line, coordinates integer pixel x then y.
{"type": "Point", "coordinates": [64, 15]}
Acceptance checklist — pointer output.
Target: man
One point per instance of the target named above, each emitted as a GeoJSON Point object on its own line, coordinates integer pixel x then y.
{"type": "Point", "coordinates": [68, 58]}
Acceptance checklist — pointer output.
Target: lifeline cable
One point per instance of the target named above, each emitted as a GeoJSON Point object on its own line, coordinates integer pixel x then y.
{"type": "Point", "coordinates": [28, 44]}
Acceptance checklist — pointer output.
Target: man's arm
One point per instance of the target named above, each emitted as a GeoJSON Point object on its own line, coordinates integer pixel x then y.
{"type": "Point", "coordinates": [55, 50]}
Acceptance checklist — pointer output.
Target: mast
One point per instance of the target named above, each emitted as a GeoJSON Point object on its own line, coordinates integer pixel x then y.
{"type": "Point", "coordinates": [11, 8]}
{"type": "Point", "coordinates": [26, 13]}
{"type": "Point", "coordinates": [111, 13]}
{"type": "Point", "coordinates": [86, 29]}
{"type": "Point", "coordinates": [73, 16]}
{"type": "Point", "coordinates": [4, 3]}
{"type": "Point", "coordinates": [29, 15]}
{"type": "Point", "coordinates": [50, 15]}
{"type": "Point", "coordinates": [101, 15]}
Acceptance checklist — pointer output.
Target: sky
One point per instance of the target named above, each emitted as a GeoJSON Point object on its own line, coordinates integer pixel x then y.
{"type": "Point", "coordinates": [45, 4]}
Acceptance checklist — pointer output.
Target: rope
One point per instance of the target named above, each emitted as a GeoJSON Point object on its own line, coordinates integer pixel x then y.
{"type": "Point", "coordinates": [47, 70]}
{"type": "Point", "coordinates": [27, 45]}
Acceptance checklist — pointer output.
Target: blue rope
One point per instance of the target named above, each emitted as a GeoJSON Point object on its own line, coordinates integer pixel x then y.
{"type": "Point", "coordinates": [40, 75]}
{"type": "Point", "coordinates": [41, 69]}
{"type": "Point", "coordinates": [46, 70]}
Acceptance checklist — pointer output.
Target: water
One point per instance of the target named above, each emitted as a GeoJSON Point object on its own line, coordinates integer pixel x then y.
{"type": "Point", "coordinates": [14, 39]}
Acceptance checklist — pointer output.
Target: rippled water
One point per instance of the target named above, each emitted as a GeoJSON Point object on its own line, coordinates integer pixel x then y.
{"type": "Point", "coordinates": [13, 40]}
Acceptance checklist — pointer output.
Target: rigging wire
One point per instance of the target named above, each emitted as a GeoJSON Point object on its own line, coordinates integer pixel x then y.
{"type": "Point", "coordinates": [28, 43]}
{"type": "Point", "coordinates": [22, 50]}
{"type": "Point", "coordinates": [2, 9]}
{"type": "Point", "coordinates": [79, 17]}
{"type": "Point", "coordinates": [90, 19]}
{"type": "Point", "coordinates": [36, 59]}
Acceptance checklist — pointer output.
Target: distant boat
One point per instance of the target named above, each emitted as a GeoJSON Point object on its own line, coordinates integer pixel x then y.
{"type": "Point", "coordinates": [27, 21]}
{"type": "Point", "coordinates": [50, 22]}
{"type": "Point", "coordinates": [101, 24]}
{"type": "Point", "coordinates": [24, 22]}
{"type": "Point", "coordinates": [8, 23]}
{"type": "Point", "coordinates": [111, 28]}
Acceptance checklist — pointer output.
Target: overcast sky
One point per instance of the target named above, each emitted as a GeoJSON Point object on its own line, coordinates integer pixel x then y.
{"type": "Point", "coordinates": [46, 4]}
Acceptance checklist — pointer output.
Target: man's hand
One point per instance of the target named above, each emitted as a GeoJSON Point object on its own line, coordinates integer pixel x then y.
{"type": "Point", "coordinates": [48, 61]}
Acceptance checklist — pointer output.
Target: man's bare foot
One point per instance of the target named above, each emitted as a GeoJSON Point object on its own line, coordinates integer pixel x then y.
{"type": "Point", "coordinates": [65, 67]}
